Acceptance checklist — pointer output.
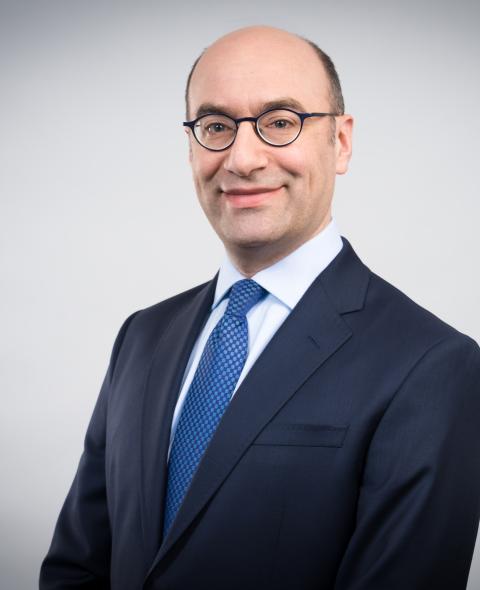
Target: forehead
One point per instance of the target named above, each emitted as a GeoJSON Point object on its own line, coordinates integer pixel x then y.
{"type": "Point", "coordinates": [247, 72]}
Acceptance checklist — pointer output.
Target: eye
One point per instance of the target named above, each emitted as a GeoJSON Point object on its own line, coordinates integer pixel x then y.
{"type": "Point", "coordinates": [216, 125]}
{"type": "Point", "coordinates": [215, 128]}
{"type": "Point", "coordinates": [280, 123]}
{"type": "Point", "coordinates": [280, 120]}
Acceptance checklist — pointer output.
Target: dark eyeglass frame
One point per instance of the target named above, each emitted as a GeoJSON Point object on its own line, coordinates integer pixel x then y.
{"type": "Point", "coordinates": [301, 116]}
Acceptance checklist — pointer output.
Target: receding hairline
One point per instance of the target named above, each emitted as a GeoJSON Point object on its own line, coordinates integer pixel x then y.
{"type": "Point", "coordinates": [335, 91]}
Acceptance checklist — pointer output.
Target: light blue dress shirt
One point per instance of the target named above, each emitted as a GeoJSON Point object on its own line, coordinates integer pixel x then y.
{"type": "Point", "coordinates": [286, 281]}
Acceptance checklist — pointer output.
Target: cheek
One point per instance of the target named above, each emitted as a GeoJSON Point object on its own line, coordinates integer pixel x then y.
{"type": "Point", "coordinates": [316, 164]}
{"type": "Point", "coordinates": [205, 165]}
{"type": "Point", "coordinates": [306, 162]}
{"type": "Point", "coordinates": [293, 160]}
{"type": "Point", "coordinates": [312, 171]}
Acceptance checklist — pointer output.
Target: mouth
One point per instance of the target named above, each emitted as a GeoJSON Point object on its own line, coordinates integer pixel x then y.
{"type": "Point", "coordinates": [251, 197]}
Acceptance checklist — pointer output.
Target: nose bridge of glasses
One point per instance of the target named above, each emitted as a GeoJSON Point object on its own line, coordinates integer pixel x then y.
{"type": "Point", "coordinates": [253, 120]}
{"type": "Point", "coordinates": [242, 119]}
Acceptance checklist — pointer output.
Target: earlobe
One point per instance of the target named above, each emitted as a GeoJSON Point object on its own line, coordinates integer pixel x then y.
{"type": "Point", "coordinates": [344, 143]}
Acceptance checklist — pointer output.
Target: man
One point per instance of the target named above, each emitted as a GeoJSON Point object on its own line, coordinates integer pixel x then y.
{"type": "Point", "coordinates": [296, 422]}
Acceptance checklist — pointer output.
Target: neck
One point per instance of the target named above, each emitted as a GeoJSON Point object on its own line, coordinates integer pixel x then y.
{"type": "Point", "coordinates": [253, 258]}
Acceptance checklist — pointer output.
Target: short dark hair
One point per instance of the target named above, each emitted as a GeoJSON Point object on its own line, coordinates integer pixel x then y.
{"type": "Point", "coordinates": [337, 103]}
{"type": "Point", "coordinates": [336, 97]}
{"type": "Point", "coordinates": [189, 79]}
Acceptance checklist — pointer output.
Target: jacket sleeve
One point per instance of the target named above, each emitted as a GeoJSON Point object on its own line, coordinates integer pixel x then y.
{"type": "Point", "coordinates": [419, 499]}
{"type": "Point", "coordinates": [79, 555]}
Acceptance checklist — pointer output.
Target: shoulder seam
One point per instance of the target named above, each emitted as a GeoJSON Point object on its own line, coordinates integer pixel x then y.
{"type": "Point", "coordinates": [118, 343]}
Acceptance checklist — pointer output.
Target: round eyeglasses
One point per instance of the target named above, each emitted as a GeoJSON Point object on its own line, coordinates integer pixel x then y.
{"type": "Point", "coordinates": [277, 127]}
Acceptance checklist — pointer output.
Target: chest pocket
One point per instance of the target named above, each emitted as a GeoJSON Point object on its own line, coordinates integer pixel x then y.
{"type": "Point", "coordinates": [302, 435]}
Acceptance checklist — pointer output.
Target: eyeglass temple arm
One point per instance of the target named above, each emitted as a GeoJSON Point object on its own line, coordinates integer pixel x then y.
{"type": "Point", "coordinates": [307, 115]}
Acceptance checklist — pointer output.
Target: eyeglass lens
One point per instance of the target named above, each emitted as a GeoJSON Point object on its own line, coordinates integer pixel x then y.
{"type": "Point", "coordinates": [277, 127]}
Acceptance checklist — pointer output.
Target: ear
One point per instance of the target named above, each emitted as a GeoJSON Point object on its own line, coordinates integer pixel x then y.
{"type": "Point", "coordinates": [343, 142]}
{"type": "Point", "coordinates": [187, 131]}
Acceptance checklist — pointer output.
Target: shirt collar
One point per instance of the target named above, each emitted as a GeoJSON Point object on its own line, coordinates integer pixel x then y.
{"type": "Point", "coordinates": [304, 264]}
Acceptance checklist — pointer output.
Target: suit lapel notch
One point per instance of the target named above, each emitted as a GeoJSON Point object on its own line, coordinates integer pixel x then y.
{"type": "Point", "coordinates": [345, 280]}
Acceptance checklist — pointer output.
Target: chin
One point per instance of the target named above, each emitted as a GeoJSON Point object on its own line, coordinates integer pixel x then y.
{"type": "Point", "coordinates": [247, 242]}
{"type": "Point", "coordinates": [251, 232]}
{"type": "Point", "coordinates": [251, 240]}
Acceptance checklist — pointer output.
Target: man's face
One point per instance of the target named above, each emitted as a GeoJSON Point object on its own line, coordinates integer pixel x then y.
{"type": "Point", "coordinates": [259, 197]}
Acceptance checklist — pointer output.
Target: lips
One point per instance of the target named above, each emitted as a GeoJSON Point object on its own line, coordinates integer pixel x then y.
{"type": "Point", "coordinates": [249, 197]}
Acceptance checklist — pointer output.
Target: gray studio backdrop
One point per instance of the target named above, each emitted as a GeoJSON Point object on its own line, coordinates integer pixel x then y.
{"type": "Point", "coordinates": [99, 217]}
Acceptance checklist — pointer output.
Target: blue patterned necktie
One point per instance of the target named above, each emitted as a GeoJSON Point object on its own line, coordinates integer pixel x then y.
{"type": "Point", "coordinates": [212, 386]}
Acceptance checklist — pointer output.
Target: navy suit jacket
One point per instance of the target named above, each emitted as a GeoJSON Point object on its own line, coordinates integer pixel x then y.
{"type": "Point", "coordinates": [349, 458]}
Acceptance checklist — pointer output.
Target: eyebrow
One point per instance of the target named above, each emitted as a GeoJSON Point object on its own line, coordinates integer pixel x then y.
{"type": "Point", "coordinates": [279, 103]}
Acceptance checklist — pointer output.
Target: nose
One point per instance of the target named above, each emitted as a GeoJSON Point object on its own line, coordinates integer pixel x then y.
{"type": "Point", "coordinates": [248, 152]}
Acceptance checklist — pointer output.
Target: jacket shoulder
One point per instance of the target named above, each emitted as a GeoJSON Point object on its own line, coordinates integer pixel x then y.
{"type": "Point", "coordinates": [148, 323]}
{"type": "Point", "coordinates": [407, 317]}
{"type": "Point", "coordinates": [173, 303]}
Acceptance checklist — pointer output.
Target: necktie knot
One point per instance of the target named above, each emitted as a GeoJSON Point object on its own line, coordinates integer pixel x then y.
{"type": "Point", "coordinates": [243, 296]}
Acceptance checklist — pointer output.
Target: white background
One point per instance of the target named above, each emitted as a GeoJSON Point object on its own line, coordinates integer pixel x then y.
{"type": "Point", "coordinates": [99, 218]}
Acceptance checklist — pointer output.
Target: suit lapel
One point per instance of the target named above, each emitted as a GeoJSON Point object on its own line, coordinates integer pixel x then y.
{"type": "Point", "coordinates": [161, 391]}
{"type": "Point", "coordinates": [308, 337]}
